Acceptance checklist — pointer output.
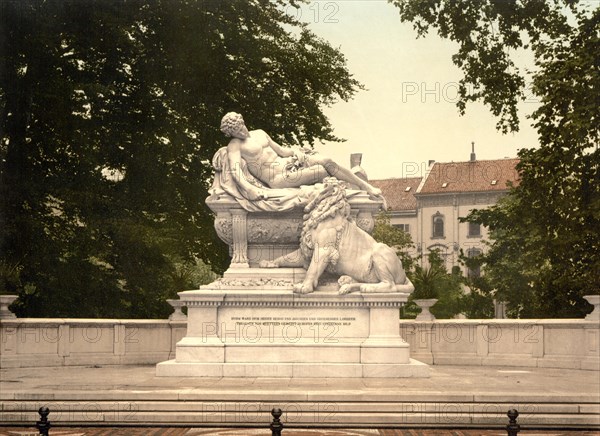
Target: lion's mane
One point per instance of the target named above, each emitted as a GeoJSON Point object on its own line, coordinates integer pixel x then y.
{"type": "Point", "coordinates": [328, 204]}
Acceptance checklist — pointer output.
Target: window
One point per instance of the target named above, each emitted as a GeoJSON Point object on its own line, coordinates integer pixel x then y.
{"type": "Point", "coordinates": [442, 252]}
{"type": "Point", "coordinates": [474, 229]}
{"type": "Point", "coordinates": [438, 225]}
{"type": "Point", "coordinates": [403, 227]}
{"type": "Point", "coordinates": [474, 271]}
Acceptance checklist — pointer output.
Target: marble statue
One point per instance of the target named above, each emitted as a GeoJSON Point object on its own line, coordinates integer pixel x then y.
{"type": "Point", "coordinates": [264, 176]}
{"type": "Point", "coordinates": [296, 208]}
{"type": "Point", "coordinates": [286, 220]}
{"type": "Point", "coordinates": [331, 240]}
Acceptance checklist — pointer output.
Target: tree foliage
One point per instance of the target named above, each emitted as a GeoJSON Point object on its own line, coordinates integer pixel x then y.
{"type": "Point", "coordinates": [110, 115]}
{"type": "Point", "coordinates": [434, 281]}
{"type": "Point", "coordinates": [478, 301]}
{"type": "Point", "coordinates": [396, 238]}
{"type": "Point", "coordinates": [545, 233]}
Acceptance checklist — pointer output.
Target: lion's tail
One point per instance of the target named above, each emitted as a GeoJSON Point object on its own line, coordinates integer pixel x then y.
{"type": "Point", "coordinates": [407, 287]}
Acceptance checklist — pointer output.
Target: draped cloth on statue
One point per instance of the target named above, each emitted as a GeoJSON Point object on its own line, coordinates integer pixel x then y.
{"type": "Point", "coordinates": [279, 200]}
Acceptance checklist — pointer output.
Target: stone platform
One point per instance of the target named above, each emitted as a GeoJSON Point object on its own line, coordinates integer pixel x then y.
{"type": "Point", "coordinates": [453, 397]}
{"type": "Point", "coordinates": [266, 330]}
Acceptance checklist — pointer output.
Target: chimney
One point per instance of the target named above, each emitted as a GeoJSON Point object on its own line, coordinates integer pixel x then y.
{"type": "Point", "coordinates": [473, 158]}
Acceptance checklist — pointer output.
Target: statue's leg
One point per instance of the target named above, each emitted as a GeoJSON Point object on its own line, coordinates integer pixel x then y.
{"type": "Point", "coordinates": [290, 260]}
{"type": "Point", "coordinates": [342, 173]}
{"type": "Point", "coordinates": [349, 287]}
{"type": "Point", "coordinates": [318, 263]}
{"type": "Point", "coordinates": [377, 287]}
{"type": "Point", "coordinates": [303, 176]}
{"type": "Point", "coordinates": [383, 266]}
{"type": "Point", "coordinates": [407, 287]}
{"type": "Point", "coordinates": [385, 257]}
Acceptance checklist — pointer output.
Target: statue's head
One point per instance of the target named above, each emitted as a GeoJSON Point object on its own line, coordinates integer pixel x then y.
{"type": "Point", "coordinates": [231, 123]}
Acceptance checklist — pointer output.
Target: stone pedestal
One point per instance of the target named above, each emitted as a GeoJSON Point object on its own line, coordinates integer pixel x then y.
{"type": "Point", "coordinates": [253, 237]}
{"type": "Point", "coordinates": [594, 300]}
{"type": "Point", "coordinates": [5, 301]}
{"type": "Point", "coordinates": [177, 314]}
{"type": "Point", "coordinates": [265, 330]}
{"type": "Point", "coordinates": [424, 305]}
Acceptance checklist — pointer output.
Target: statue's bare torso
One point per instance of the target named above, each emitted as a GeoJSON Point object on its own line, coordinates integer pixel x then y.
{"type": "Point", "coordinates": [260, 157]}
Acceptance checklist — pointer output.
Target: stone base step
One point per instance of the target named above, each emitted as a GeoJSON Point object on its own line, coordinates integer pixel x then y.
{"type": "Point", "coordinates": [172, 368]}
{"type": "Point", "coordinates": [348, 410]}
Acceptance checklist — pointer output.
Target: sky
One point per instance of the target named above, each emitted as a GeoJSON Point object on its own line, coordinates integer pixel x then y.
{"type": "Point", "coordinates": [407, 115]}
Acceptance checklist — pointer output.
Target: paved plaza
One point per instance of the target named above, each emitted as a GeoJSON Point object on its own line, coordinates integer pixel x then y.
{"type": "Point", "coordinates": [454, 396]}
{"type": "Point", "coordinates": [502, 382]}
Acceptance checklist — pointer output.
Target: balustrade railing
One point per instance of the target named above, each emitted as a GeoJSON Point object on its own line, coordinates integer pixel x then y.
{"type": "Point", "coordinates": [276, 426]}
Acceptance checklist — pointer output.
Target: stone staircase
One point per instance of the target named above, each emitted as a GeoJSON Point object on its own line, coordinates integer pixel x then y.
{"type": "Point", "coordinates": [308, 409]}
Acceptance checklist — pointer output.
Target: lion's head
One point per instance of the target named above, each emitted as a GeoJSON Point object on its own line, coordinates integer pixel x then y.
{"type": "Point", "coordinates": [327, 204]}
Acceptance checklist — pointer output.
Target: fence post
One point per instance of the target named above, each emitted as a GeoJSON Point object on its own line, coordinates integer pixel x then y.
{"type": "Point", "coordinates": [512, 428]}
{"type": "Point", "coordinates": [276, 426]}
{"type": "Point", "coordinates": [43, 425]}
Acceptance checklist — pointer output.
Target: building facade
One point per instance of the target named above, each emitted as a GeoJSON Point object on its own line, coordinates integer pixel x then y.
{"type": "Point", "coordinates": [401, 202]}
{"type": "Point", "coordinates": [429, 208]}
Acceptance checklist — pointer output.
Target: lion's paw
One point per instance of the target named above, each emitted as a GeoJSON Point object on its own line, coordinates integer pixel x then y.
{"type": "Point", "coordinates": [303, 288]}
{"type": "Point", "coordinates": [344, 289]}
{"type": "Point", "coordinates": [267, 264]}
{"type": "Point", "coordinates": [345, 280]}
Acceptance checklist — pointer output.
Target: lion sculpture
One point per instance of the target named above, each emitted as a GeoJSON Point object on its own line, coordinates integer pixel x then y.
{"type": "Point", "coordinates": [331, 240]}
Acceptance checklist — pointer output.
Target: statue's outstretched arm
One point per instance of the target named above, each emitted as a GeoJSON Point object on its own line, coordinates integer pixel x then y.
{"type": "Point", "coordinates": [281, 151]}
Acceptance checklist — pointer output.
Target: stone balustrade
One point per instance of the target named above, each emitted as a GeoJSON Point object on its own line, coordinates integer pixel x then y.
{"type": "Point", "coordinates": [27, 342]}
{"type": "Point", "coordinates": [550, 343]}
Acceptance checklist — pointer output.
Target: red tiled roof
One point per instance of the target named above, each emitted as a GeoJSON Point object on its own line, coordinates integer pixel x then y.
{"type": "Point", "coordinates": [395, 193]}
{"type": "Point", "coordinates": [476, 176]}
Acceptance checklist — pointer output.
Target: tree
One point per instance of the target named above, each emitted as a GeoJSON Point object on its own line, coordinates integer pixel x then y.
{"type": "Point", "coordinates": [430, 282]}
{"type": "Point", "coordinates": [542, 256]}
{"type": "Point", "coordinates": [478, 300]}
{"type": "Point", "coordinates": [110, 115]}
{"type": "Point", "coordinates": [396, 238]}
{"type": "Point", "coordinates": [434, 281]}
